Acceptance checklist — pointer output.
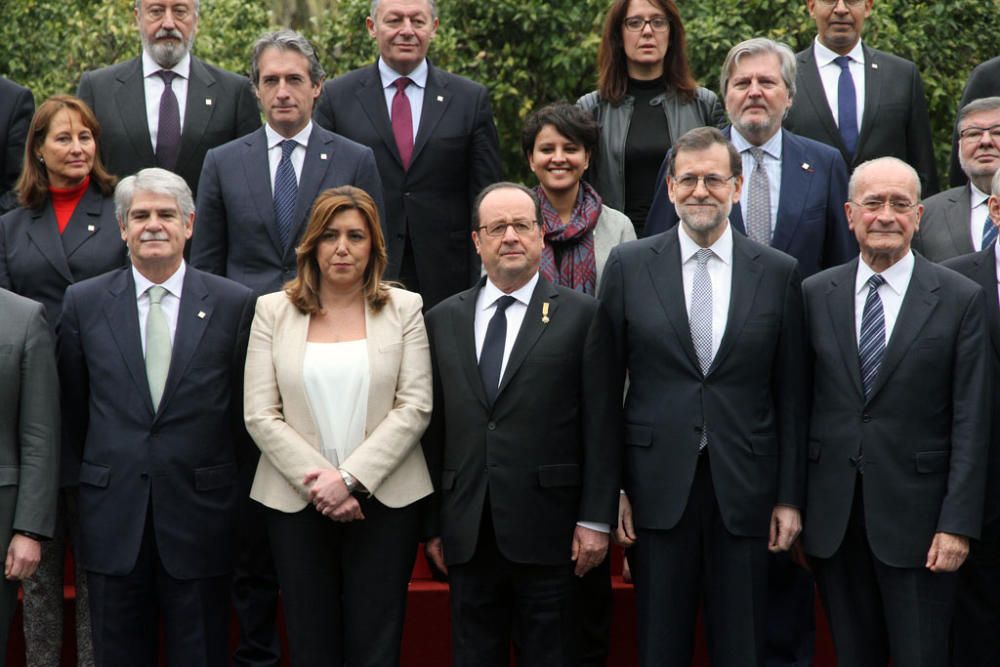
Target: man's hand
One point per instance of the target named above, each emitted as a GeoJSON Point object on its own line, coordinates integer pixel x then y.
{"type": "Point", "coordinates": [625, 531]}
{"type": "Point", "coordinates": [589, 549]}
{"type": "Point", "coordinates": [434, 550]}
{"type": "Point", "coordinates": [947, 552]}
{"type": "Point", "coordinates": [327, 489]}
{"type": "Point", "coordinates": [23, 555]}
{"type": "Point", "coordinates": [786, 524]}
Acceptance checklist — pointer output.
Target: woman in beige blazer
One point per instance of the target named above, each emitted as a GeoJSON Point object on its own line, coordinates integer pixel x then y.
{"type": "Point", "coordinates": [338, 394]}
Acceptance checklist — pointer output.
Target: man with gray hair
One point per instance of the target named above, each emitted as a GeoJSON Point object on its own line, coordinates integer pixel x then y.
{"type": "Point", "coordinates": [958, 221]}
{"type": "Point", "coordinates": [151, 361]}
{"type": "Point", "coordinates": [166, 108]}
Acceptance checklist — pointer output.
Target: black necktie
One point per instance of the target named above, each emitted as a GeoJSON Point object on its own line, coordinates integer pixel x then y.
{"type": "Point", "coordinates": [491, 357]}
{"type": "Point", "coordinates": [168, 130]}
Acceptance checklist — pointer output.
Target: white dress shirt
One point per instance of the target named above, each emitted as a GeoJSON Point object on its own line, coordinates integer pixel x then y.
{"type": "Point", "coordinates": [897, 280]}
{"type": "Point", "coordinates": [772, 166]}
{"type": "Point", "coordinates": [298, 156]}
{"type": "Point", "coordinates": [829, 74]}
{"type": "Point", "coordinates": [720, 270]}
{"type": "Point", "coordinates": [170, 303]}
{"type": "Point", "coordinates": [979, 208]}
{"type": "Point", "coordinates": [996, 252]}
{"type": "Point", "coordinates": [153, 86]}
{"type": "Point", "coordinates": [414, 92]}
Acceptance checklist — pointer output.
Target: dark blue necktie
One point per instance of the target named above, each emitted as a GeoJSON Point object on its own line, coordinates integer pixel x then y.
{"type": "Point", "coordinates": [286, 191]}
{"type": "Point", "coordinates": [989, 232]}
{"type": "Point", "coordinates": [491, 357]}
{"type": "Point", "coordinates": [847, 105]}
{"type": "Point", "coordinates": [168, 130]}
{"type": "Point", "coordinates": [871, 347]}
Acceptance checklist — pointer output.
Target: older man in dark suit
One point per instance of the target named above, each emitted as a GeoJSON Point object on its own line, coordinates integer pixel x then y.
{"type": "Point", "coordinates": [898, 433]}
{"type": "Point", "coordinates": [435, 144]}
{"type": "Point", "coordinates": [166, 108]}
{"type": "Point", "coordinates": [984, 81]}
{"type": "Point", "coordinates": [17, 105]}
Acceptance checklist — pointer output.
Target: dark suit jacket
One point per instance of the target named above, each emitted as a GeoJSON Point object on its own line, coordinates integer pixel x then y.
{"type": "Point", "coordinates": [923, 432]}
{"type": "Point", "coordinates": [751, 400]}
{"type": "Point", "coordinates": [895, 120]}
{"type": "Point", "coordinates": [17, 106]}
{"type": "Point", "coordinates": [811, 225]}
{"type": "Point", "coordinates": [236, 202]}
{"type": "Point", "coordinates": [944, 227]}
{"type": "Point", "coordinates": [455, 155]}
{"type": "Point", "coordinates": [179, 459]}
{"type": "Point", "coordinates": [547, 450]}
{"type": "Point", "coordinates": [220, 107]}
{"type": "Point", "coordinates": [983, 82]}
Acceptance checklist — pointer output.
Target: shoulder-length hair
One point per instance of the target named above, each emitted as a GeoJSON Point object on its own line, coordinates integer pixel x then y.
{"type": "Point", "coordinates": [612, 67]}
{"type": "Point", "coordinates": [303, 290]}
{"type": "Point", "coordinates": [33, 184]}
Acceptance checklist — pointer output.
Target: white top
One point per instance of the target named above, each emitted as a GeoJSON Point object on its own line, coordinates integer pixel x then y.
{"type": "Point", "coordinates": [170, 303]}
{"type": "Point", "coordinates": [772, 166]}
{"type": "Point", "coordinates": [897, 280]}
{"type": "Point", "coordinates": [720, 271]}
{"type": "Point", "coordinates": [153, 86]}
{"type": "Point", "coordinates": [414, 92]}
{"type": "Point", "coordinates": [486, 305]}
{"type": "Point", "coordinates": [979, 210]}
{"type": "Point", "coordinates": [829, 74]}
{"type": "Point", "coordinates": [336, 379]}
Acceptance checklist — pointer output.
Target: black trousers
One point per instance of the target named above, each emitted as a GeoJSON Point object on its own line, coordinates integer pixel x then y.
{"type": "Point", "coordinates": [975, 630]}
{"type": "Point", "coordinates": [344, 585]}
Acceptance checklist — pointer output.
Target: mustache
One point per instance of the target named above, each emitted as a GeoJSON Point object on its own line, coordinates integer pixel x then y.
{"type": "Point", "coordinates": [169, 32]}
{"type": "Point", "coordinates": [154, 236]}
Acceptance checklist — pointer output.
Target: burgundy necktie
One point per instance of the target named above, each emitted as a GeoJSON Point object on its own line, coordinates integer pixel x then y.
{"type": "Point", "coordinates": [168, 132]}
{"type": "Point", "coordinates": [402, 121]}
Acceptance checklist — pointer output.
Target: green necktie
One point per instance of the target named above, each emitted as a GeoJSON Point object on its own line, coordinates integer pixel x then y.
{"type": "Point", "coordinates": [157, 345]}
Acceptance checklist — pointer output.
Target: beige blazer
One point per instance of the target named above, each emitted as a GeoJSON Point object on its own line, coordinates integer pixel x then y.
{"type": "Point", "coordinates": [390, 462]}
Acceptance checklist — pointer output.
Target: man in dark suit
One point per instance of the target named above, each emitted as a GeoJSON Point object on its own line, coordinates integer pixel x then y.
{"type": "Point", "coordinates": [435, 144]}
{"type": "Point", "coordinates": [29, 446]}
{"type": "Point", "coordinates": [983, 82]}
{"type": "Point", "coordinates": [864, 102]}
{"type": "Point", "coordinates": [898, 433]}
{"type": "Point", "coordinates": [523, 443]}
{"type": "Point", "coordinates": [708, 326]}
{"type": "Point", "coordinates": [804, 183]}
{"type": "Point", "coordinates": [17, 106]}
{"type": "Point", "coordinates": [166, 108]}
{"type": "Point", "coordinates": [974, 637]}
{"type": "Point", "coordinates": [957, 221]}
{"type": "Point", "coordinates": [151, 357]}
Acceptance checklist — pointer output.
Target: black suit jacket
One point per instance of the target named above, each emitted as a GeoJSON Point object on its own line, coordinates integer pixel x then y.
{"type": "Point", "coordinates": [455, 155]}
{"type": "Point", "coordinates": [220, 107]}
{"type": "Point", "coordinates": [944, 226]}
{"type": "Point", "coordinates": [17, 106]}
{"type": "Point", "coordinates": [895, 121]}
{"type": "Point", "coordinates": [180, 458]}
{"type": "Point", "coordinates": [547, 451]}
{"type": "Point", "coordinates": [923, 432]}
{"type": "Point", "coordinates": [751, 399]}
{"type": "Point", "coordinates": [983, 82]}
{"type": "Point", "coordinates": [235, 234]}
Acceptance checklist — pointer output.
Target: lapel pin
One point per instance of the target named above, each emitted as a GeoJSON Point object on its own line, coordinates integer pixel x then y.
{"type": "Point", "coordinates": [91, 228]}
{"type": "Point", "coordinates": [322, 156]}
{"type": "Point", "coordinates": [545, 313]}
{"type": "Point", "coordinates": [201, 314]}
{"type": "Point", "coordinates": [208, 101]}
{"type": "Point", "coordinates": [807, 168]}
{"type": "Point", "coordinates": [440, 98]}
{"type": "Point", "coordinates": [874, 65]}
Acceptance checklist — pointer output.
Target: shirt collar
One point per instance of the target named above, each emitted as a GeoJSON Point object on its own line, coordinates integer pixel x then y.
{"type": "Point", "coordinates": [174, 284]}
{"type": "Point", "coordinates": [722, 248]}
{"type": "Point", "coordinates": [523, 294]}
{"type": "Point", "coordinates": [275, 139]}
{"type": "Point", "coordinates": [978, 197]}
{"type": "Point", "coordinates": [825, 56]}
{"type": "Point", "coordinates": [150, 66]}
{"type": "Point", "coordinates": [897, 276]}
{"type": "Point", "coordinates": [389, 75]}
{"type": "Point", "coordinates": [772, 146]}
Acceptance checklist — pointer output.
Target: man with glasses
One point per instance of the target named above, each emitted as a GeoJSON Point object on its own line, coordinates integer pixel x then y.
{"type": "Point", "coordinates": [958, 221]}
{"type": "Point", "coordinates": [708, 326]}
{"type": "Point", "coordinates": [898, 432]}
{"type": "Point", "coordinates": [523, 444]}
{"type": "Point", "coordinates": [864, 102]}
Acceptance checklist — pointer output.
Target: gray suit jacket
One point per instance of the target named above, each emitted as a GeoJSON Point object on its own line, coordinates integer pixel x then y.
{"type": "Point", "coordinates": [944, 228]}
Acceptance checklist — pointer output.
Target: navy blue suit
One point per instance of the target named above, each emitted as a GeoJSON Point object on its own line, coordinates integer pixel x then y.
{"type": "Point", "coordinates": [17, 106]}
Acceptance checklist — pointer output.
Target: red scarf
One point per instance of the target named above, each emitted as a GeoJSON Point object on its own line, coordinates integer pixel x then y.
{"type": "Point", "coordinates": [568, 256]}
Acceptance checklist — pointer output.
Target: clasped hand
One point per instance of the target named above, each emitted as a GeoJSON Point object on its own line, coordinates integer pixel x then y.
{"type": "Point", "coordinates": [329, 494]}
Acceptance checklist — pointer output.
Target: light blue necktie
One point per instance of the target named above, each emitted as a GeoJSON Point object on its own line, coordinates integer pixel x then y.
{"type": "Point", "coordinates": [158, 345]}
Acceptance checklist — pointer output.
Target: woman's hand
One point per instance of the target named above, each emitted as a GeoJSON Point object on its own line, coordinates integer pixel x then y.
{"type": "Point", "coordinates": [327, 489]}
{"type": "Point", "coordinates": [349, 510]}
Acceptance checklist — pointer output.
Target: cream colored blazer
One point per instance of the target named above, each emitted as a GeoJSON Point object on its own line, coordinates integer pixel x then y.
{"type": "Point", "coordinates": [390, 462]}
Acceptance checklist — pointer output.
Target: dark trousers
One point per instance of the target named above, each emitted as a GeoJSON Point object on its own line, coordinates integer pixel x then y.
{"type": "Point", "coordinates": [594, 602]}
{"type": "Point", "coordinates": [699, 561]}
{"type": "Point", "coordinates": [877, 611]}
{"type": "Point", "coordinates": [791, 614]}
{"type": "Point", "coordinates": [344, 585]}
{"type": "Point", "coordinates": [975, 630]}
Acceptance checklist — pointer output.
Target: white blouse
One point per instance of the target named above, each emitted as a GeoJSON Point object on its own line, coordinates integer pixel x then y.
{"type": "Point", "coordinates": [336, 381]}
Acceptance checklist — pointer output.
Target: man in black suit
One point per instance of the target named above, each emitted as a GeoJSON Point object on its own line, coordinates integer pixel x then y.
{"type": "Point", "coordinates": [983, 82]}
{"type": "Point", "coordinates": [523, 443]}
{"type": "Point", "coordinates": [435, 144]}
{"type": "Point", "coordinates": [17, 106]}
{"type": "Point", "coordinates": [957, 221]}
{"type": "Point", "coordinates": [151, 357]}
{"type": "Point", "coordinates": [708, 325]}
{"type": "Point", "coordinates": [888, 115]}
{"type": "Point", "coordinates": [898, 433]}
{"type": "Point", "coordinates": [974, 637]}
{"type": "Point", "coordinates": [166, 108]}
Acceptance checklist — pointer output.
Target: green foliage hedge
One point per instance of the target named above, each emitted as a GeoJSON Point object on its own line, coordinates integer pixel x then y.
{"type": "Point", "coordinates": [528, 52]}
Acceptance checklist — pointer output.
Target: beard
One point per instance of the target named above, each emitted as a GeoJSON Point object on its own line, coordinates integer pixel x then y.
{"type": "Point", "coordinates": [167, 54]}
{"type": "Point", "coordinates": [704, 221]}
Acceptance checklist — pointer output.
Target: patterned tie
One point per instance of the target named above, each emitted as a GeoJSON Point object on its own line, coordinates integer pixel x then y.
{"type": "Point", "coordinates": [759, 201]}
{"type": "Point", "coordinates": [847, 105]}
{"type": "Point", "coordinates": [491, 357]}
{"type": "Point", "coordinates": [402, 121]}
{"type": "Point", "coordinates": [168, 131]}
{"type": "Point", "coordinates": [700, 320]}
{"type": "Point", "coordinates": [989, 232]}
{"type": "Point", "coordinates": [157, 345]}
{"type": "Point", "coordinates": [286, 192]}
{"type": "Point", "coordinates": [871, 347]}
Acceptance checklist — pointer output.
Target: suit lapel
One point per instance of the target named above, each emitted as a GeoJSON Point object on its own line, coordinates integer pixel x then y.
{"type": "Point", "coordinates": [122, 313]}
{"type": "Point", "coordinates": [436, 101]}
{"type": "Point", "coordinates": [198, 110]}
{"type": "Point", "coordinates": [130, 100]}
{"type": "Point", "coordinates": [985, 273]}
{"type": "Point", "coordinates": [44, 233]}
{"type": "Point", "coordinates": [531, 328]}
{"type": "Point", "coordinates": [957, 220]}
{"type": "Point", "coordinates": [371, 97]}
{"type": "Point", "coordinates": [664, 268]}
{"type": "Point", "coordinates": [193, 317]}
{"type": "Point", "coordinates": [464, 330]}
{"type": "Point", "coordinates": [873, 90]}
{"type": "Point", "coordinates": [84, 223]}
{"type": "Point", "coordinates": [258, 178]}
{"type": "Point", "coordinates": [736, 213]}
{"type": "Point", "coordinates": [795, 183]}
{"type": "Point", "coordinates": [319, 157]}
{"type": "Point", "coordinates": [745, 279]}
{"type": "Point", "coordinates": [840, 304]}
{"type": "Point", "coordinates": [812, 87]}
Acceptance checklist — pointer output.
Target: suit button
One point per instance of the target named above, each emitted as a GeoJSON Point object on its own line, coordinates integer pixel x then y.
{"type": "Point", "coordinates": [866, 417]}
{"type": "Point", "coordinates": [492, 426]}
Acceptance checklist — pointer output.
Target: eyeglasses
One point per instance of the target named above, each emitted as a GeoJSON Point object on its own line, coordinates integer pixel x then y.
{"type": "Point", "coordinates": [499, 229]}
{"type": "Point", "coordinates": [972, 134]}
{"type": "Point", "coordinates": [638, 24]}
{"type": "Point", "coordinates": [900, 206]}
{"type": "Point", "coordinates": [713, 182]}
{"type": "Point", "coordinates": [833, 3]}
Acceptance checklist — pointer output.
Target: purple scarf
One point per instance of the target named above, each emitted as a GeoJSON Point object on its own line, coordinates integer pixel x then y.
{"type": "Point", "coordinates": [568, 256]}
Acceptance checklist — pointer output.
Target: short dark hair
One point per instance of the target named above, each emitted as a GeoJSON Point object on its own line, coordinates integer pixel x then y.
{"type": "Point", "coordinates": [569, 120]}
{"type": "Point", "coordinates": [703, 138]}
{"type": "Point", "coordinates": [285, 40]}
{"type": "Point", "coordinates": [505, 185]}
